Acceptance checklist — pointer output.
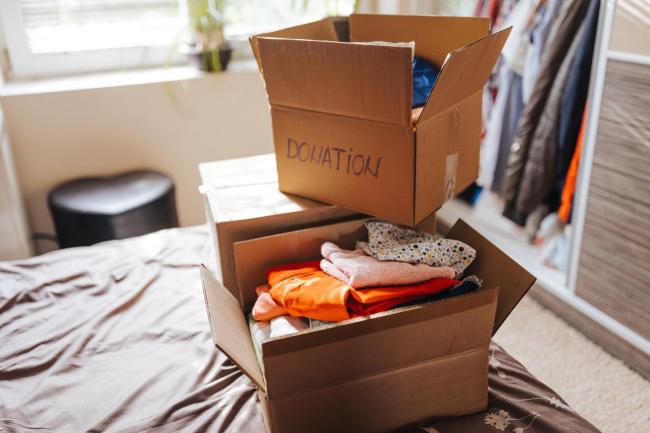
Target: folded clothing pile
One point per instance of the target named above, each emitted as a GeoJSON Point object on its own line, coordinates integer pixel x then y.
{"type": "Point", "coordinates": [396, 267]}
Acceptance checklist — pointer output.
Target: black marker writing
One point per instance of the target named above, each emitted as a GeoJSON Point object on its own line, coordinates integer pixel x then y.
{"type": "Point", "coordinates": [334, 158]}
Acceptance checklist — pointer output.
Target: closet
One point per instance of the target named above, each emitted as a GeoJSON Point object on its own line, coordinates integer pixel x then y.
{"type": "Point", "coordinates": [600, 279]}
{"type": "Point", "coordinates": [614, 264]}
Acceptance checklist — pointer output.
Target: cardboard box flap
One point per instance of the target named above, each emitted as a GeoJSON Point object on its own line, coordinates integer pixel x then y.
{"type": "Point", "coordinates": [252, 257]}
{"type": "Point", "coordinates": [434, 36]}
{"type": "Point", "coordinates": [436, 330]}
{"type": "Point", "coordinates": [381, 322]}
{"type": "Point", "coordinates": [322, 30]}
{"type": "Point", "coordinates": [496, 269]}
{"type": "Point", "coordinates": [229, 328]}
{"type": "Point", "coordinates": [464, 72]}
{"type": "Point", "coordinates": [372, 82]}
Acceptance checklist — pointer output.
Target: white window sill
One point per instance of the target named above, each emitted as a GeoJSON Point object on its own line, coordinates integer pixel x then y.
{"type": "Point", "coordinates": [117, 79]}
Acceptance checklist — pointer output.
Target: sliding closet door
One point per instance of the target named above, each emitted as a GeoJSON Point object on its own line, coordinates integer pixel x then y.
{"type": "Point", "coordinates": [614, 268]}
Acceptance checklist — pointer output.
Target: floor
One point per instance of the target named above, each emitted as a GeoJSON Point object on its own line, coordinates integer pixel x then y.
{"type": "Point", "coordinates": [598, 386]}
{"type": "Point", "coordinates": [486, 217]}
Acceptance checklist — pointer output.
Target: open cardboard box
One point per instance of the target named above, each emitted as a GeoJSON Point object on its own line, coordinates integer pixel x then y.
{"type": "Point", "coordinates": [343, 127]}
{"type": "Point", "coordinates": [372, 374]}
{"type": "Point", "coordinates": [242, 201]}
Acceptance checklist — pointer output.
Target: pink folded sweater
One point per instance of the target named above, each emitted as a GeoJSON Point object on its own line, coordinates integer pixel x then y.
{"type": "Point", "coordinates": [265, 307]}
{"type": "Point", "coordinates": [360, 270]}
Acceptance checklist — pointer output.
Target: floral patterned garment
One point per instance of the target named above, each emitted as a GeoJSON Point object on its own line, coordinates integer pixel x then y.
{"type": "Point", "coordinates": [387, 241]}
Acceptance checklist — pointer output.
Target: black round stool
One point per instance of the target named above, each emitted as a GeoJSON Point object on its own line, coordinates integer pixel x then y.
{"type": "Point", "coordinates": [95, 209]}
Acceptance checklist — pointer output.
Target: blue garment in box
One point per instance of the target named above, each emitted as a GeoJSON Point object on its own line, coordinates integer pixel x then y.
{"type": "Point", "coordinates": [424, 77]}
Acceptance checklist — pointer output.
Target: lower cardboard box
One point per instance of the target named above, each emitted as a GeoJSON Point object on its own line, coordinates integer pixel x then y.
{"type": "Point", "coordinates": [286, 213]}
{"type": "Point", "coordinates": [276, 212]}
{"type": "Point", "coordinates": [371, 374]}
{"type": "Point", "coordinates": [242, 201]}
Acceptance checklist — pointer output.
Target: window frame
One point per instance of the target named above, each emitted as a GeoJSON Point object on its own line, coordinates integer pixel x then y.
{"type": "Point", "coordinates": [26, 64]}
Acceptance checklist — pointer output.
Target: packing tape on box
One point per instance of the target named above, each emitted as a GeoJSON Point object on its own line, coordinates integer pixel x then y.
{"type": "Point", "coordinates": [450, 175]}
{"type": "Point", "coordinates": [451, 165]}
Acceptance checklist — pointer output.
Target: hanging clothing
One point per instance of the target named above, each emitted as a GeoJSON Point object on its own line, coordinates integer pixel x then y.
{"type": "Point", "coordinates": [304, 290]}
{"type": "Point", "coordinates": [507, 104]}
{"type": "Point", "coordinates": [568, 192]}
{"type": "Point", "coordinates": [505, 9]}
{"type": "Point", "coordinates": [538, 36]}
{"type": "Point", "coordinates": [554, 238]}
{"type": "Point", "coordinates": [570, 16]}
{"type": "Point", "coordinates": [491, 88]}
{"type": "Point", "coordinates": [575, 96]}
{"type": "Point", "coordinates": [506, 109]}
{"type": "Point", "coordinates": [514, 50]}
{"type": "Point", "coordinates": [493, 8]}
{"type": "Point", "coordinates": [479, 9]}
{"type": "Point", "coordinates": [488, 8]}
{"type": "Point", "coordinates": [540, 166]}
{"type": "Point", "coordinates": [550, 151]}
{"type": "Point", "coordinates": [514, 103]}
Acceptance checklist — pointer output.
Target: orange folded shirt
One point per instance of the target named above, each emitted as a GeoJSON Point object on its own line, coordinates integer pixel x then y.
{"type": "Point", "coordinates": [303, 290]}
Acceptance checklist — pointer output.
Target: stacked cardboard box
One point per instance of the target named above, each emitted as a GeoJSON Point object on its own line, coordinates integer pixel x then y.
{"type": "Point", "coordinates": [344, 131]}
{"type": "Point", "coordinates": [242, 201]}
{"type": "Point", "coordinates": [332, 97]}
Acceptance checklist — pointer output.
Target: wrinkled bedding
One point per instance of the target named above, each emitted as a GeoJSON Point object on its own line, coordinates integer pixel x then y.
{"type": "Point", "coordinates": [115, 337]}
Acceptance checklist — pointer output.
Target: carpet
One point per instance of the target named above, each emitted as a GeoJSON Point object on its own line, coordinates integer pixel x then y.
{"type": "Point", "coordinates": [598, 386]}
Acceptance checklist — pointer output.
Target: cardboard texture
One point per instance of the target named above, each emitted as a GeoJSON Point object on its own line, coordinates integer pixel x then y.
{"type": "Point", "coordinates": [363, 178]}
{"type": "Point", "coordinates": [233, 339]}
{"type": "Point", "coordinates": [369, 346]}
{"type": "Point", "coordinates": [242, 201]}
{"type": "Point", "coordinates": [434, 37]}
{"type": "Point", "coordinates": [291, 247]}
{"type": "Point", "coordinates": [295, 68]}
{"type": "Point", "coordinates": [342, 119]}
{"type": "Point", "coordinates": [464, 73]}
{"type": "Point", "coordinates": [389, 400]}
{"type": "Point", "coordinates": [377, 373]}
{"type": "Point", "coordinates": [496, 269]}
{"type": "Point", "coordinates": [322, 30]}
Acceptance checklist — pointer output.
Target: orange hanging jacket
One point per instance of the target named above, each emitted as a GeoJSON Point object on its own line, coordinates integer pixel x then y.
{"type": "Point", "coordinates": [568, 191]}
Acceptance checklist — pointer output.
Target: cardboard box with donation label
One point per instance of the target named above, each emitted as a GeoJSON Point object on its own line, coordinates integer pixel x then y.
{"type": "Point", "coordinates": [372, 374]}
{"type": "Point", "coordinates": [343, 125]}
{"type": "Point", "coordinates": [345, 134]}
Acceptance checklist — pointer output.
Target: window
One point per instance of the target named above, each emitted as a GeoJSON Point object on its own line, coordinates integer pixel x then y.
{"type": "Point", "coordinates": [55, 37]}
{"type": "Point", "coordinates": [48, 37]}
{"type": "Point", "coordinates": [258, 16]}
{"type": "Point", "coordinates": [245, 18]}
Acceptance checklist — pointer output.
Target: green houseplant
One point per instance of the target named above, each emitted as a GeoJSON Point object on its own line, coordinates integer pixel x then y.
{"type": "Point", "coordinates": [209, 50]}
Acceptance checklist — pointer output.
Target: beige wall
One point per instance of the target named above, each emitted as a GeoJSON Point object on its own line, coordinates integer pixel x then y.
{"type": "Point", "coordinates": [169, 127]}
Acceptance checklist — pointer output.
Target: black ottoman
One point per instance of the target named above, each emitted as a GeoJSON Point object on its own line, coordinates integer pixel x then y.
{"type": "Point", "coordinates": [91, 210]}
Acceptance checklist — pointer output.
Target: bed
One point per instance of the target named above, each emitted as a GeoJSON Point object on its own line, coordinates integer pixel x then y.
{"type": "Point", "coordinates": [115, 337]}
